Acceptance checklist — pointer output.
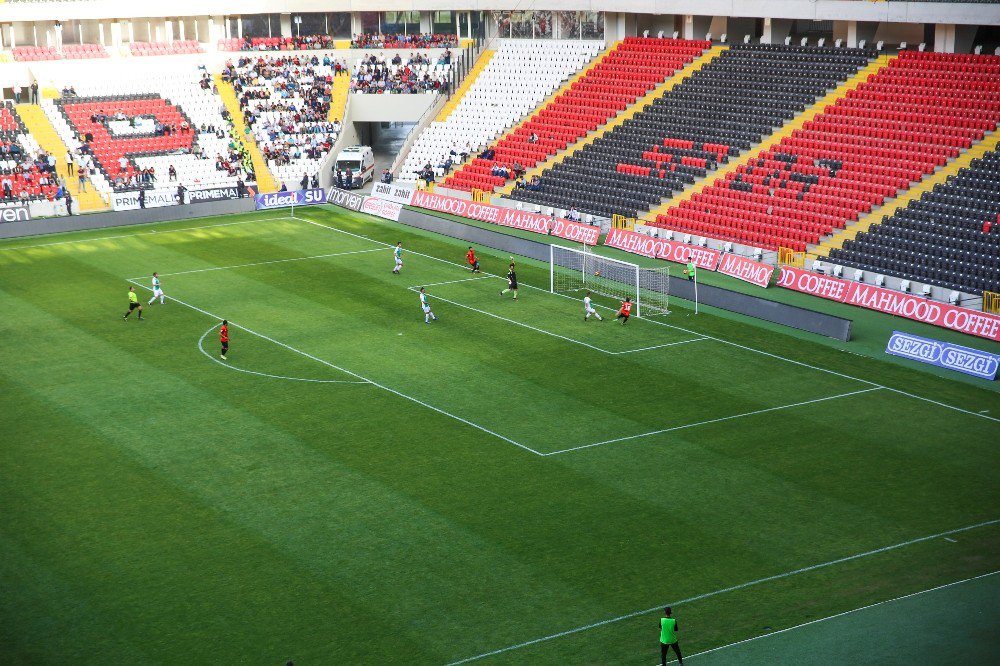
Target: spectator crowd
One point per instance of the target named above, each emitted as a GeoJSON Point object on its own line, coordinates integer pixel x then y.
{"type": "Point", "coordinates": [286, 103]}
{"type": "Point", "coordinates": [417, 74]}
{"type": "Point", "coordinates": [396, 41]}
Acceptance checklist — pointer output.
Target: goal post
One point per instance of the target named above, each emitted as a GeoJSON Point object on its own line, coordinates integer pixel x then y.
{"type": "Point", "coordinates": [572, 270]}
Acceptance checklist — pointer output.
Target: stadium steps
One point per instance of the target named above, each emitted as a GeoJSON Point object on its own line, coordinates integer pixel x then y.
{"type": "Point", "coordinates": [771, 141]}
{"type": "Point", "coordinates": [470, 78]}
{"type": "Point", "coordinates": [45, 134]}
{"type": "Point", "coordinates": [989, 144]}
{"type": "Point", "coordinates": [265, 181]}
{"type": "Point", "coordinates": [338, 97]}
{"type": "Point", "coordinates": [640, 105]}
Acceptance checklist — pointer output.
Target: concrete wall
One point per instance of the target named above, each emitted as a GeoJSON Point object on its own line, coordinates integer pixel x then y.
{"type": "Point", "coordinates": [53, 225]}
{"type": "Point", "coordinates": [391, 108]}
{"type": "Point", "coordinates": [913, 12]}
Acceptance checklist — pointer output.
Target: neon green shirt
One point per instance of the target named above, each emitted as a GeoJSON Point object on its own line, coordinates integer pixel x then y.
{"type": "Point", "coordinates": [133, 297]}
{"type": "Point", "coordinates": [690, 268]}
{"type": "Point", "coordinates": [668, 630]}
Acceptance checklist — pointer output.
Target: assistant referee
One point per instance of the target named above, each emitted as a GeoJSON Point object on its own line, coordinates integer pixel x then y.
{"type": "Point", "coordinates": [668, 637]}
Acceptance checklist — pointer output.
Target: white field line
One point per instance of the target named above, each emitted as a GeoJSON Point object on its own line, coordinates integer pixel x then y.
{"type": "Point", "coordinates": [833, 617]}
{"type": "Point", "coordinates": [139, 233]}
{"type": "Point", "coordinates": [438, 284]}
{"type": "Point", "coordinates": [534, 328]}
{"type": "Point", "coordinates": [718, 420]}
{"type": "Point", "coordinates": [263, 263]}
{"type": "Point", "coordinates": [201, 348]}
{"type": "Point", "coordinates": [353, 374]}
{"type": "Point", "coordinates": [659, 607]}
{"type": "Point", "coordinates": [667, 344]}
{"type": "Point", "coordinates": [707, 337]}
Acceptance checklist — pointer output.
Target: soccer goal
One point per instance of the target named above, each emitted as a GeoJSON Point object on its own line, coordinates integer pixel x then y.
{"type": "Point", "coordinates": [572, 270]}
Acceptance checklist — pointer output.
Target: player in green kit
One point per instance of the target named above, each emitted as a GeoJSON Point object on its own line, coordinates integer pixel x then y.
{"type": "Point", "coordinates": [133, 304]}
{"type": "Point", "coordinates": [668, 637]}
{"type": "Point", "coordinates": [397, 254]}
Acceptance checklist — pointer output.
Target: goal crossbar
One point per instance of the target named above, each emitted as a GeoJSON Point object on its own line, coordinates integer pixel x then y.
{"type": "Point", "coordinates": [573, 270]}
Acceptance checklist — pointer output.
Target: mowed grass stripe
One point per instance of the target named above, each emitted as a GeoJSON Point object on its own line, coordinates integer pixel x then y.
{"type": "Point", "coordinates": [353, 525]}
{"type": "Point", "coordinates": [253, 477]}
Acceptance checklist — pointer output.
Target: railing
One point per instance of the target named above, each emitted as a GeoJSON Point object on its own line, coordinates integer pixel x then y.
{"type": "Point", "coordinates": [789, 257]}
{"type": "Point", "coordinates": [991, 302]}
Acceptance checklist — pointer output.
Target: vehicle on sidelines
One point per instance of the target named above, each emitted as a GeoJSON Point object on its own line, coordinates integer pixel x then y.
{"type": "Point", "coordinates": [360, 161]}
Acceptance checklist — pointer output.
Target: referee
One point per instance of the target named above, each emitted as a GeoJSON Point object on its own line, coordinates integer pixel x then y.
{"type": "Point", "coordinates": [668, 637]}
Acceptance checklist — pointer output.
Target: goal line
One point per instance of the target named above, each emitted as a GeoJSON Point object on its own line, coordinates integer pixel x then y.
{"type": "Point", "coordinates": [572, 270]}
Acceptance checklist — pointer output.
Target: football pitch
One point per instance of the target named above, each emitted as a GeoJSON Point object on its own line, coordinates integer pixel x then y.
{"type": "Point", "coordinates": [508, 484]}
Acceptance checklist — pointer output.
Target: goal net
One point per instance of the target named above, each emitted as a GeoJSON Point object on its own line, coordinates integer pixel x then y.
{"type": "Point", "coordinates": [572, 270]}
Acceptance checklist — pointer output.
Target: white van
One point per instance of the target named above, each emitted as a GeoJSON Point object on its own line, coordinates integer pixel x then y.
{"type": "Point", "coordinates": [360, 161]}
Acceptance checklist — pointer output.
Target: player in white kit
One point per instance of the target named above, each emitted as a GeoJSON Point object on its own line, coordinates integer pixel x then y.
{"type": "Point", "coordinates": [425, 305]}
{"type": "Point", "coordinates": [397, 252]}
{"type": "Point", "coordinates": [157, 290]}
{"type": "Point", "coordinates": [588, 309]}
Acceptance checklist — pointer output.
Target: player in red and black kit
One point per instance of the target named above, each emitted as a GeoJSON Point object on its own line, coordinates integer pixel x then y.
{"type": "Point", "coordinates": [626, 310]}
{"type": "Point", "coordinates": [470, 257]}
{"type": "Point", "coordinates": [224, 338]}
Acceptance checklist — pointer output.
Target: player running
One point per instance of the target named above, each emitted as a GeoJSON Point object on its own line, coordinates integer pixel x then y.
{"type": "Point", "coordinates": [397, 253]}
{"type": "Point", "coordinates": [470, 257]}
{"type": "Point", "coordinates": [157, 290]}
{"type": "Point", "coordinates": [588, 309]}
{"type": "Point", "coordinates": [511, 282]}
{"type": "Point", "coordinates": [133, 303]}
{"type": "Point", "coordinates": [224, 338]}
{"type": "Point", "coordinates": [626, 310]}
{"type": "Point", "coordinates": [425, 305]}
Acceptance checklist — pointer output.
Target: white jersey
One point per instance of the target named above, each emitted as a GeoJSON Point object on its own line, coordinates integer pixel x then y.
{"type": "Point", "coordinates": [156, 283]}
{"type": "Point", "coordinates": [586, 304]}
{"type": "Point", "coordinates": [424, 303]}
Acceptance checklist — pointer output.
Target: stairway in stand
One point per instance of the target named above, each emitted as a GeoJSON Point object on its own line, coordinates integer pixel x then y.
{"type": "Point", "coordinates": [45, 134]}
{"type": "Point", "coordinates": [265, 181]}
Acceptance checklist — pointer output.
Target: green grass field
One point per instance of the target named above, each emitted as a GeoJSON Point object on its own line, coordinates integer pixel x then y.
{"type": "Point", "coordinates": [507, 485]}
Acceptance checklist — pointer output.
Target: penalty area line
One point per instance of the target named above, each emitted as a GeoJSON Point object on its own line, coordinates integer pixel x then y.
{"type": "Point", "coordinates": [201, 348]}
{"type": "Point", "coordinates": [351, 373]}
{"type": "Point", "coordinates": [724, 341]}
{"type": "Point", "coordinates": [710, 421]}
{"type": "Point", "coordinates": [837, 615]}
{"type": "Point", "coordinates": [725, 590]}
{"type": "Point", "coordinates": [265, 263]}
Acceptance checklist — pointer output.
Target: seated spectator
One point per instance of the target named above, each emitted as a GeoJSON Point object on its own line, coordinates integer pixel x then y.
{"type": "Point", "coordinates": [386, 176]}
{"type": "Point", "coordinates": [488, 154]}
{"type": "Point", "coordinates": [445, 166]}
{"type": "Point", "coordinates": [573, 214]}
{"type": "Point", "coordinates": [518, 169]}
{"type": "Point", "coordinates": [533, 138]}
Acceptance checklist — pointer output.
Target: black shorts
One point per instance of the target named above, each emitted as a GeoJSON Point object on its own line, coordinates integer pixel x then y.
{"type": "Point", "coordinates": [622, 315]}
{"type": "Point", "coordinates": [225, 345]}
{"type": "Point", "coordinates": [475, 265]}
{"type": "Point", "coordinates": [512, 285]}
{"type": "Point", "coordinates": [132, 306]}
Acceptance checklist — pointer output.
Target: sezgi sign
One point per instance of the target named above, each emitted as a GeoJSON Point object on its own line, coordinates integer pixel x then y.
{"type": "Point", "coordinates": [944, 355]}
{"type": "Point", "coordinates": [290, 198]}
{"type": "Point", "coordinates": [19, 213]}
{"type": "Point", "coordinates": [917, 308]}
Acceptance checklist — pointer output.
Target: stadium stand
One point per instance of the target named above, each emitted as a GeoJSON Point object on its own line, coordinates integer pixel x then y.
{"type": "Point", "coordinates": [177, 47]}
{"type": "Point", "coordinates": [630, 70]}
{"type": "Point", "coordinates": [300, 43]}
{"type": "Point", "coordinates": [69, 52]}
{"type": "Point", "coordinates": [417, 74]}
{"type": "Point", "coordinates": [498, 98]}
{"type": "Point", "coordinates": [125, 116]}
{"type": "Point", "coordinates": [285, 101]}
{"type": "Point", "coordinates": [394, 41]}
{"type": "Point", "coordinates": [940, 238]}
{"type": "Point", "coordinates": [24, 173]}
{"type": "Point", "coordinates": [909, 118]}
{"type": "Point", "coordinates": [719, 111]}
